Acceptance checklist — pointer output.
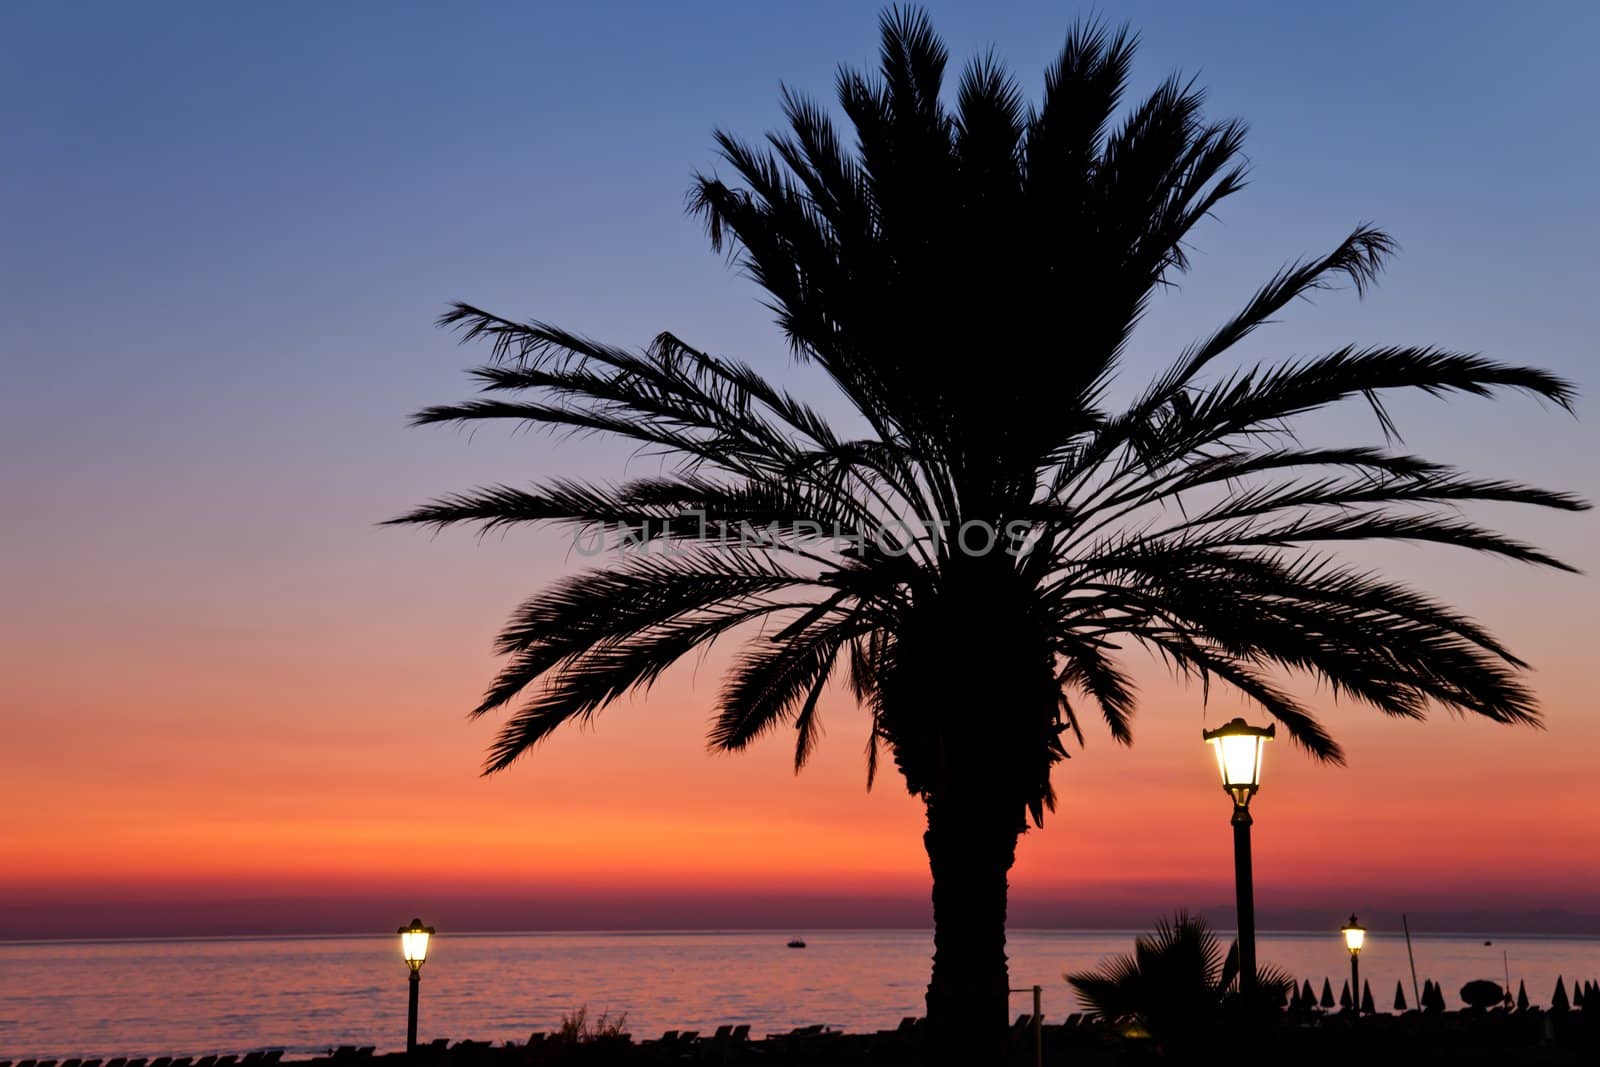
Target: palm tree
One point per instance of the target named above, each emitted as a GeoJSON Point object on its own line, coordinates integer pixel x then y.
{"type": "Point", "coordinates": [972, 559]}
{"type": "Point", "coordinates": [1175, 984]}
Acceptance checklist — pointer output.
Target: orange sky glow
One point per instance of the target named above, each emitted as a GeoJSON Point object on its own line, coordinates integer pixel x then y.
{"type": "Point", "coordinates": [241, 760]}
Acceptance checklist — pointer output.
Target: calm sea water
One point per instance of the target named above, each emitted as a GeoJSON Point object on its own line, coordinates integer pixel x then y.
{"type": "Point", "coordinates": [107, 998]}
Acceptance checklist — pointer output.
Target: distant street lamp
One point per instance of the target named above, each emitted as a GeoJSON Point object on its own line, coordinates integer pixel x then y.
{"type": "Point", "coordinates": [1355, 935]}
{"type": "Point", "coordinates": [414, 947]}
{"type": "Point", "coordinates": [1239, 746]}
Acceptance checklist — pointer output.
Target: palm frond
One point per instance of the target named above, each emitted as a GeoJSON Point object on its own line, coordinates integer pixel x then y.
{"type": "Point", "coordinates": [772, 682]}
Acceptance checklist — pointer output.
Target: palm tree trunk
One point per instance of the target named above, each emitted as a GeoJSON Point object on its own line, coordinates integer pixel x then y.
{"type": "Point", "coordinates": [971, 843]}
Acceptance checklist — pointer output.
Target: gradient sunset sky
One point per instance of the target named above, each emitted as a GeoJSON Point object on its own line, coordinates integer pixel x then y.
{"type": "Point", "coordinates": [233, 703]}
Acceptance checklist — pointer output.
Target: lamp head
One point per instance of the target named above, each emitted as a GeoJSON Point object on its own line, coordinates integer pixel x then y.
{"type": "Point", "coordinates": [1355, 935]}
{"type": "Point", "coordinates": [1239, 748]}
{"type": "Point", "coordinates": [414, 944]}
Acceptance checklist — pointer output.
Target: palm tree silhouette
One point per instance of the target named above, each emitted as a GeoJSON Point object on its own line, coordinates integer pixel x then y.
{"type": "Point", "coordinates": [973, 560]}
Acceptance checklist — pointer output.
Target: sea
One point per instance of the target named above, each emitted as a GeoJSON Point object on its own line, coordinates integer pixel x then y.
{"type": "Point", "coordinates": [306, 995]}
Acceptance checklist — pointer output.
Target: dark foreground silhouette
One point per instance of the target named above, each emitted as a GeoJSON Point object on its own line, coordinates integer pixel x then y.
{"type": "Point", "coordinates": [1531, 1037]}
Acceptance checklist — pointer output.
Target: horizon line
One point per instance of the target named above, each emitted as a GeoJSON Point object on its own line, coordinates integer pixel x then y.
{"type": "Point", "coordinates": [728, 931]}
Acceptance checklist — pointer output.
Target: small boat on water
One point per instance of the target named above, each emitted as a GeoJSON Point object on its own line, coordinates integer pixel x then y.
{"type": "Point", "coordinates": [797, 943]}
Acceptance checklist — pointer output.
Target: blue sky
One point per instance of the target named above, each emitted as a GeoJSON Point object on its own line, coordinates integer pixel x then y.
{"type": "Point", "coordinates": [274, 201]}
{"type": "Point", "coordinates": [227, 229]}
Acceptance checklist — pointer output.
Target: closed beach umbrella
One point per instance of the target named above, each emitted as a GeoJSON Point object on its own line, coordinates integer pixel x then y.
{"type": "Point", "coordinates": [1327, 994]}
{"type": "Point", "coordinates": [1399, 997]}
{"type": "Point", "coordinates": [1344, 996]}
{"type": "Point", "coordinates": [1307, 997]}
{"type": "Point", "coordinates": [1577, 994]}
{"type": "Point", "coordinates": [1433, 997]}
{"type": "Point", "coordinates": [1558, 999]}
{"type": "Point", "coordinates": [1522, 995]}
{"type": "Point", "coordinates": [1367, 1004]}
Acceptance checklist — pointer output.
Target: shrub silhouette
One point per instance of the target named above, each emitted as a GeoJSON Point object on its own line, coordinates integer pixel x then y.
{"type": "Point", "coordinates": [1177, 984]}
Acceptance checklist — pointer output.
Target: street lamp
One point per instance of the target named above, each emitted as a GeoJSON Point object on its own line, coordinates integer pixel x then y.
{"type": "Point", "coordinates": [1239, 746]}
{"type": "Point", "coordinates": [414, 947]}
{"type": "Point", "coordinates": [1355, 935]}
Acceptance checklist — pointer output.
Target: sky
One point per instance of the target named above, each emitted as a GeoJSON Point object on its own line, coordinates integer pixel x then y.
{"type": "Point", "coordinates": [233, 703]}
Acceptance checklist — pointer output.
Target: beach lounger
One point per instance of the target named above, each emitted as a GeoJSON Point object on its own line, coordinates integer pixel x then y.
{"type": "Point", "coordinates": [222, 1061]}
{"type": "Point", "coordinates": [203, 1061]}
{"type": "Point", "coordinates": [715, 1047]}
{"type": "Point", "coordinates": [741, 1034]}
{"type": "Point", "coordinates": [273, 1055]}
{"type": "Point", "coordinates": [178, 1061]}
{"type": "Point", "coordinates": [161, 1061]}
{"type": "Point", "coordinates": [140, 1062]}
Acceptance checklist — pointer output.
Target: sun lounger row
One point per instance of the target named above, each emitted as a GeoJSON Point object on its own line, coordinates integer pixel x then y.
{"type": "Point", "coordinates": [262, 1058]}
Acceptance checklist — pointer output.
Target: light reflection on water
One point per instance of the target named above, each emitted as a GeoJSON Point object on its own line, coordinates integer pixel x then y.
{"type": "Point", "coordinates": [307, 994]}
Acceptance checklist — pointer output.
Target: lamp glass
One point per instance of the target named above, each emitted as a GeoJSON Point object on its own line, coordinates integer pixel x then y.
{"type": "Point", "coordinates": [1239, 760]}
{"type": "Point", "coordinates": [414, 945]}
{"type": "Point", "coordinates": [1354, 937]}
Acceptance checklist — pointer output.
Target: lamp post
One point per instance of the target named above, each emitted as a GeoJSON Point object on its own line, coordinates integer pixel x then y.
{"type": "Point", "coordinates": [1355, 935]}
{"type": "Point", "coordinates": [414, 947]}
{"type": "Point", "coordinates": [1239, 746]}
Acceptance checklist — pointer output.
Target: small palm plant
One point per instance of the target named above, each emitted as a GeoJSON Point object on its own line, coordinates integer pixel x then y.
{"type": "Point", "coordinates": [1176, 983]}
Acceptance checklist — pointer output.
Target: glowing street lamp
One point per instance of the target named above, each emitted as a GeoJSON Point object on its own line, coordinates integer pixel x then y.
{"type": "Point", "coordinates": [414, 948]}
{"type": "Point", "coordinates": [1355, 936]}
{"type": "Point", "coordinates": [1239, 748]}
